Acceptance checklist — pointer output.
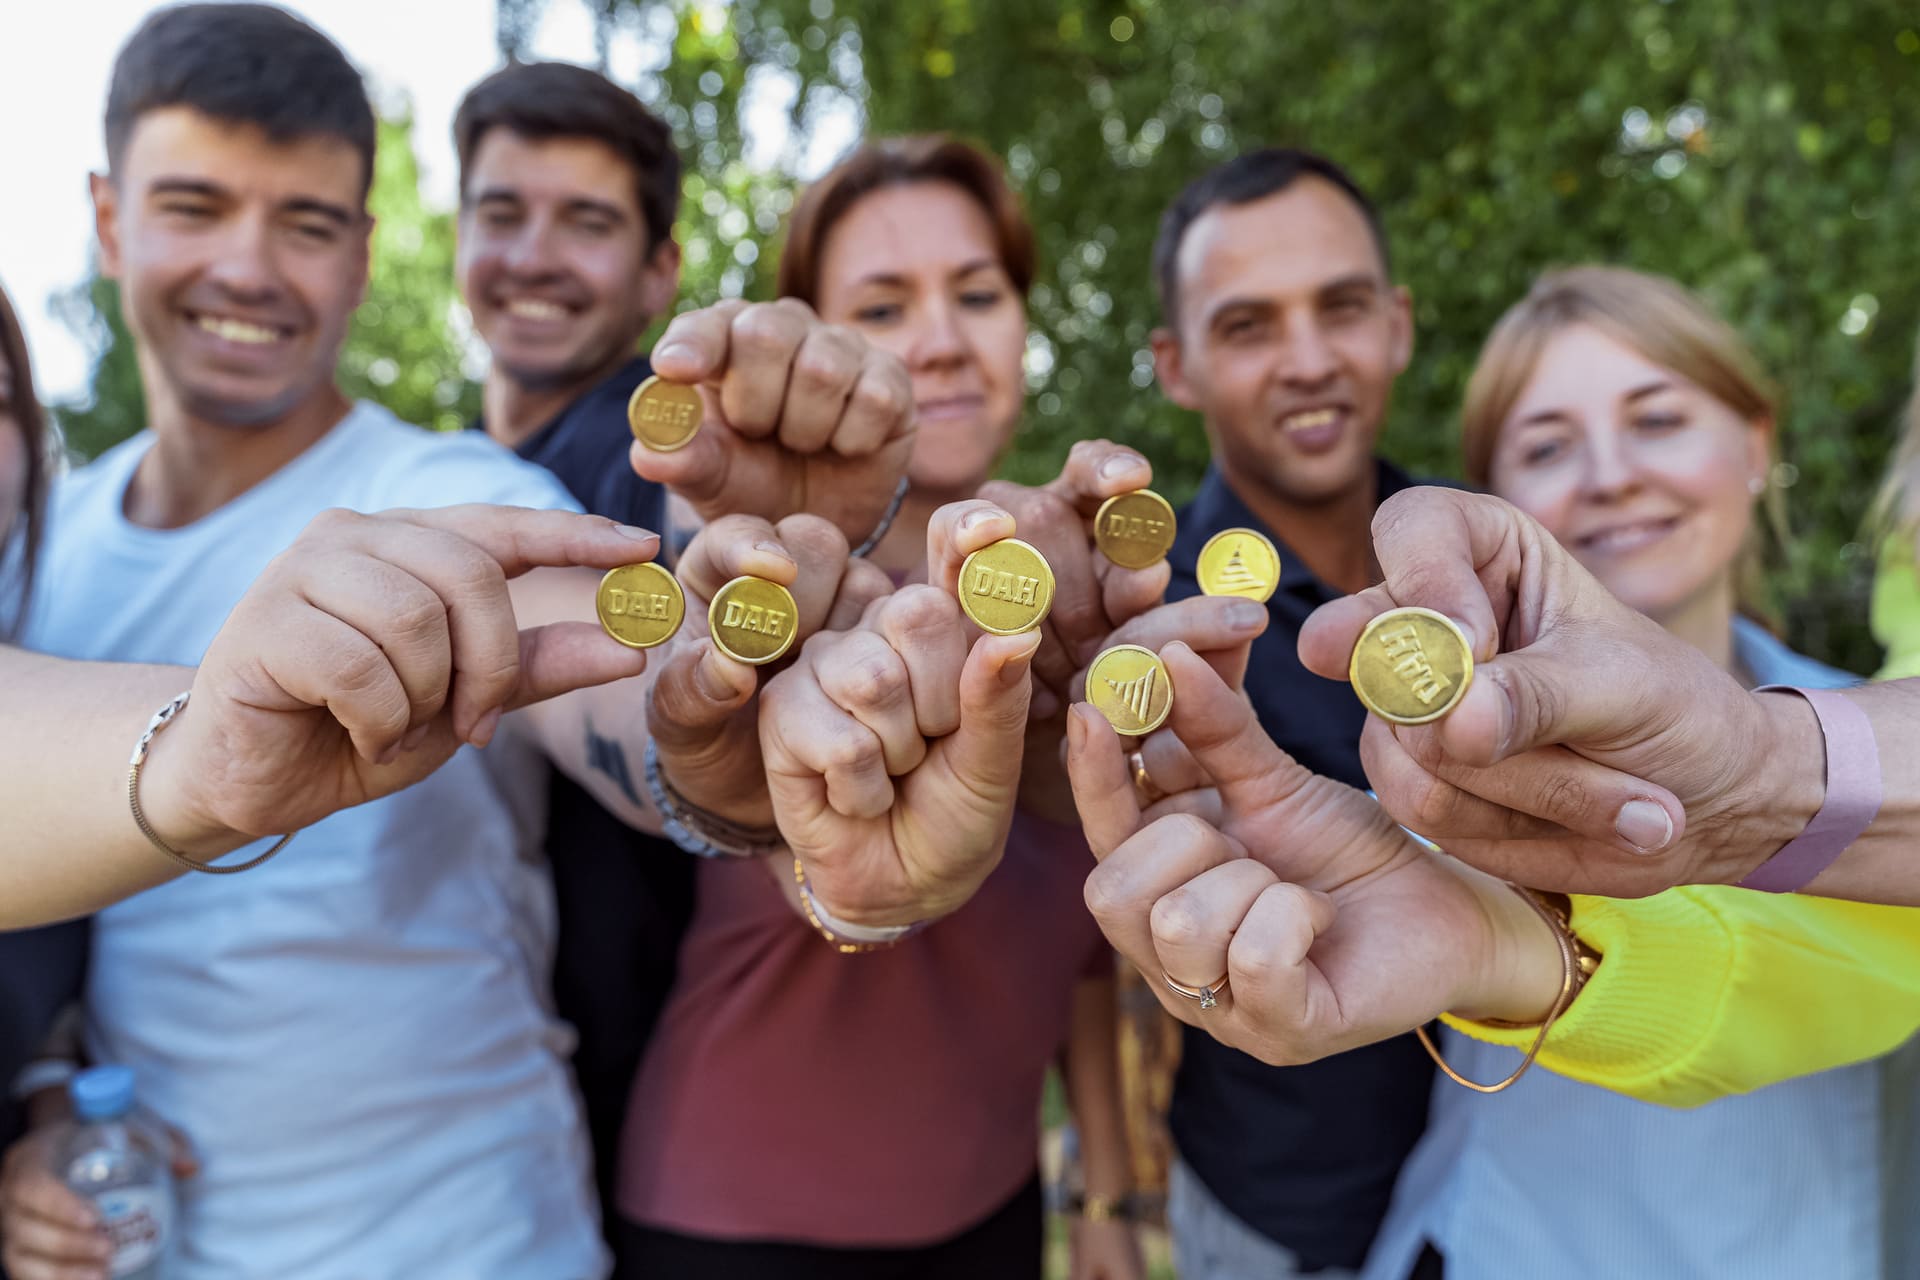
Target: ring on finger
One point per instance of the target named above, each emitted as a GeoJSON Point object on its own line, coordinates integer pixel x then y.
{"type": "Point", "coordinates": [1206, 997]}
{"type": "Point", "coordinates": [1150, 791]}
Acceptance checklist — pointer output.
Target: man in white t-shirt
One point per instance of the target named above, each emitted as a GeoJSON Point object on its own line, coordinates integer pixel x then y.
{"type": "Point", "coordinates": [357, 1037]}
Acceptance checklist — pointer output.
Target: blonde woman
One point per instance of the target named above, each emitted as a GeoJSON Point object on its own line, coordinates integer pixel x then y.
{"type": "Point", "coordinates": [1617, 410]}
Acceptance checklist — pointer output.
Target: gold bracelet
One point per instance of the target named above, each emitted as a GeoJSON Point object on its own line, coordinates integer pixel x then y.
{"type": "Point", "coordinates": [840, 944]}
{"type": "Point", "coordinates": [1577, 963]}
{"type": "Point", "coordinates": [1099, 1208]}
{"type": "Point", "coordinates": [161, 719]}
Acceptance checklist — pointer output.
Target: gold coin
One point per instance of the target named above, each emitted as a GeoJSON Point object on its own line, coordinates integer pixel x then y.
{"type": "Point", "coordinates": [640, 605]}
{"type": "Point", "coordinates": [1411, 666]}
{"type": "Point", "coordinates": [664, 415]}
{"type": "Point", "coordinates": [1134, 530]}
{"type": "Point", "coordinates": [1006, 587]}
{"type": "Point", "coordinates": [1129, 686]}
{"type": "Point", "coordinates": [752, 620]}
{"type": "Point", "coordinates": [1239, 562]}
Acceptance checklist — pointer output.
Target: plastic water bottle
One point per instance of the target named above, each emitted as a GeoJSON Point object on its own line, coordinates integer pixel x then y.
{"type": "Point", "coordinates": [120, 1160]}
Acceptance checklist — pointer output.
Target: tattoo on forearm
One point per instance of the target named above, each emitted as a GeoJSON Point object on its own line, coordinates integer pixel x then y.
{"type": "Point", "coordinates": [606, 756]}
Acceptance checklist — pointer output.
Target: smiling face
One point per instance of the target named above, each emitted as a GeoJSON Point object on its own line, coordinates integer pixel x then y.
{"type": "Point", "coordinates": [553, 260]}
{"type": "Point", "coordinates": [1646, 478]}
{"type": "Point", "coordinates": [1288, 339]}
{"type": "Point", "coordinates": [917, 269]}
{"type": "Point", "coordinates": [240, 260]}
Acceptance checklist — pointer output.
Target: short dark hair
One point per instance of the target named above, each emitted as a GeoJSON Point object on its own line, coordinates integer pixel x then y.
{"type": "Point", "coordinates": [243, 64]}
{"type": "Point", "coordinates": [1242, 180]}
{"type": "Point", "coordinates": [541, 100]}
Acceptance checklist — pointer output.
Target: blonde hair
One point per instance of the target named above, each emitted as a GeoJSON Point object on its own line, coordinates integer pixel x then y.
{"type": "Point", "coordinates": [1656, 317]}
{"type": "Point", "coordinates": [1897, 506]}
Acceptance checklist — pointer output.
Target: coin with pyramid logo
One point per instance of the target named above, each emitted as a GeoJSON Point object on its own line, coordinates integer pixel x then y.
{"type": "Point", "coordinates": [1239, 562]}
{"type": "Point", "coordinates": [1128, 685]}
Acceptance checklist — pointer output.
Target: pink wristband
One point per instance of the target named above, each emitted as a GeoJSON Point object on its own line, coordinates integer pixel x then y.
{"type": "Point", "coordinates": [1853, 794]}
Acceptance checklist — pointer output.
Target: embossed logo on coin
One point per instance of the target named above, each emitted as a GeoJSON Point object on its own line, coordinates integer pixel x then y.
{"type": "Point", "coordinates": [640, 605]}
{"type": "Point", "coordinates": [1411, 666]}
{"type": "Point", "coordinates": [752, 620]}
{"type": "Point", "coordinates": [1006, 587]}
{"type": "Point", "coordinates": [1134, 530]}
{"type": "Point", "coordinates": [664, 415]}
{"type": "Point", "coordinates": [1239, 562]}
{"type": "Point", "coordinates": [1128, 685]}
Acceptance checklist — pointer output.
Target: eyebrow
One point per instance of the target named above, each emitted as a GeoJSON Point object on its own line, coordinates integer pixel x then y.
{"type": "Point", "coordinates": [575, 204]}
{"type": "Point", "coordinates": [1353, 280]}
{"type": "Point", "coordinates": [338, 214]}
{"type": "Point", "coordinates": [1542, 417]}
{"type": "Point", "coordinates": [893, 279]}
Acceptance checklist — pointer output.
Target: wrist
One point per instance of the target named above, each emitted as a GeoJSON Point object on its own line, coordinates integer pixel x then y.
{"type": "Point", "coordinates": [1516, 975]}
{"type": "Point", "coordinates": [1778, 793]}
{"type": "Point", "coordinates": [176, 799]}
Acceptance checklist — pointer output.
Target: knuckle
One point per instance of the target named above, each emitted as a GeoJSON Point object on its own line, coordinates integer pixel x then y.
{"type": "Point", "coordinates": [1180, 920]}
{"type": "Point", "coordinates": [1563, 798]}
{"type": "Point", "coordinates": [820, 368]}
{"type": "Point", "coordinates": [763, 329]}
{"type": "Point", "coordinates": [1107, 893]}
{"type": "Point", "coordinates": [920, 606]}
{"type": "Point", "coordinates": [850, 752]}
{"type": "Point", "coordinates": [873, 680]}
{"type": "Point", "coordinates": [879, 397]}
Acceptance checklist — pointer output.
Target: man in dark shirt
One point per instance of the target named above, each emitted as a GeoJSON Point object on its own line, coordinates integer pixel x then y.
{"type": "Point", "coordinates": [1285, 332]}
{"type": "Point", "coordinates": [568, 193]}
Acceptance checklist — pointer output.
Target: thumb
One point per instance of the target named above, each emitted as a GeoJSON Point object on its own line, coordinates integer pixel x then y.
{"type": "Point", "coordinates": [995, 688]}
{"type": "Point", "coordinates": [1102, 789]}
{"type": "Point", "coordinates": [563, 656]}
{"type": "Point", "coordinates": [696, 693]}
{"type": "Point", "coordinates": [698, 471]}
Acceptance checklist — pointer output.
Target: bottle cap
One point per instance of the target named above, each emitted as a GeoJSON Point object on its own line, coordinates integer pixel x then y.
{"type": "Point", "coordinates": [102, 1093]}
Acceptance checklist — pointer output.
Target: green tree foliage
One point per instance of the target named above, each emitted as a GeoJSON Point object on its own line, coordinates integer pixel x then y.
{"type": "Point", "coordinates": [1766, 152]}
{"type": "Point", "coordinates": [406, 348]}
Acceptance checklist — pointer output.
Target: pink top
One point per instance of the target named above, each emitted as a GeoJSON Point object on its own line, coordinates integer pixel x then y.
{"type": "Point", "coordinates": [889, 1099]}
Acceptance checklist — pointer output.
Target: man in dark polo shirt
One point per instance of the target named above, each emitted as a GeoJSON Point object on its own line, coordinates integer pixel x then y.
{"type": "Point", "coordinates": [568, 191]}
{"type": "Point", "coordinates": [1285, 333]}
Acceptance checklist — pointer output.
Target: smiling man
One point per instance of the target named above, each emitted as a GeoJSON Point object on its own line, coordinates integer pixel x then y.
{"type": "Point", "coordinates": [1284, 331]}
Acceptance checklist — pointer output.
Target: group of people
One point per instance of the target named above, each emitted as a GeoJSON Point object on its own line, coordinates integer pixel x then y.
{"type": "Point", "coordinates": [585, 961]}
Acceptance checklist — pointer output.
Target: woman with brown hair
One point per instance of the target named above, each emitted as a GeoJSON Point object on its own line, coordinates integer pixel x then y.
{"type": "Point", "coordinates": [803, 1112]}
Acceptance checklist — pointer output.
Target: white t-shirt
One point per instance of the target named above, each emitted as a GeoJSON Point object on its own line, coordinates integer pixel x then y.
{"type": "Point", "coordinates": [356, 1036]}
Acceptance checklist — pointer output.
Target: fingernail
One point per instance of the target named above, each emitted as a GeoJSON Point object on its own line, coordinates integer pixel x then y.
{"type": "Point", "coordinates": [711, 685]}
{"type": "Point", "coordinates": [773, 549]}
{"type": "Point", "coordinates": [636, 532]}
{"type": "Point", "coordinates": [483, 728]}
{"type": "Point", "coordinates": [976, 520]}
{"type": "Point", "coordinates": [672, 351]}
{"type": "Point", "coordinates": [1644, 825]}
{"type": "Point", "coordinates": [1015, 668]}
{"type": "Point", "coordinates": [1076, 730]}
{"type": "Point", "coordinates": [1246, 615]}
{"type": "Point", "coordinates": [416, 736]}
{"type": "Point", "coordinates": [1120, 464]}
{"type": "Point", "coordinates": [388, 756]}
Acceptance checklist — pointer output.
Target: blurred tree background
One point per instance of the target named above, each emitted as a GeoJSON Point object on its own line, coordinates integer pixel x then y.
{"type": "Point", "coordinates": [1766, 152]}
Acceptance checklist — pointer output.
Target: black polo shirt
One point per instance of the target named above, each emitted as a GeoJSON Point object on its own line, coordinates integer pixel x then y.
{"type": "Point", "coordinates": [1305, 1155]}
{"type": "Point", "coordinates": [623, 898]}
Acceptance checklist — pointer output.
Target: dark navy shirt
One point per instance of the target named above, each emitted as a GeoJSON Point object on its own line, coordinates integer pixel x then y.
{"type": "Point", "coordinates": [1305, 1155]}
{"type": "Point", "coordinates": [623, 898]}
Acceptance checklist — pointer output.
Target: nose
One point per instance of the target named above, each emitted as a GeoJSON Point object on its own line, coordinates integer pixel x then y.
{"type": "Point", "coordinates": [1307, 361]}
{"type": "Point", "coordinates": [530, 251]}
{"type": "Point", "coordinates": [1611, 472]}
{"type": "Point", "coordinates": [941, 341]}
{"type": "Point", "coordinates": [244, 266]}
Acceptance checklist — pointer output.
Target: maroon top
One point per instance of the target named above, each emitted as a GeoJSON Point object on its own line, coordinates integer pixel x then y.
{"type": "Point", "coordinates": [889, 1099]}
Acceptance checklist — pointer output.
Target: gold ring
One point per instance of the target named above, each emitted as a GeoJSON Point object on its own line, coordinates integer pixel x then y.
{"type": "Point", "coordinates": [1143, 783]}
{"type": "Point", "coordinates": [1206, 997]}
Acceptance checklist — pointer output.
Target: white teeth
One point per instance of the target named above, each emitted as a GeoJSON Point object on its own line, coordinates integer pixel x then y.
{"type": "Point", "coordinates": [237, 330]}
{"type": "Point", "coordinates": [535, 309]}
{"type": "Point", "coordinates": [1309, 420]}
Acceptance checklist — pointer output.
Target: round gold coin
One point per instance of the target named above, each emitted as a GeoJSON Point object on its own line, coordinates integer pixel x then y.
{"type": "Point", "coordinates": [1129, 686]}
{"type": "Point", "coordinates": [640, 605]}
{"type": "Point", "coordinates": [1411, 666]}
{"type": "Point", "coordinates": [1006, 587]}
{"type": "Point", "coordinates": [752, 620]}
{"type": "Point", "coordinates": [1239, 562]}
{"type": "Point", "coordinates": [664, 415]}
{"type": "Point", "coordinates": [1134, 530]}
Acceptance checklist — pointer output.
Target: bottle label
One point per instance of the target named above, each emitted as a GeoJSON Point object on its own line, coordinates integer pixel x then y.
{"type": "Point", "coordinates": [139, 1220]}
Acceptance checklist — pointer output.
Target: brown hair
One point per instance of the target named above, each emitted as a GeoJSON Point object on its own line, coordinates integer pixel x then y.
{"type": "Point", "coordinates": [1653, 315]}
{"type": "Point", "coordinates": [543, 100]}
{"type": "Point", "coordinates": [1896, 509]}
{"type": "Point", "coordinates": [896, 162]}
{"type": "Point", "coordinates": [27, 412]}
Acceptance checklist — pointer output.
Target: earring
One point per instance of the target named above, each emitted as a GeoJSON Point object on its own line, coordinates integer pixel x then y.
{"type": "Point", "coordinates": [1756, 486]}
